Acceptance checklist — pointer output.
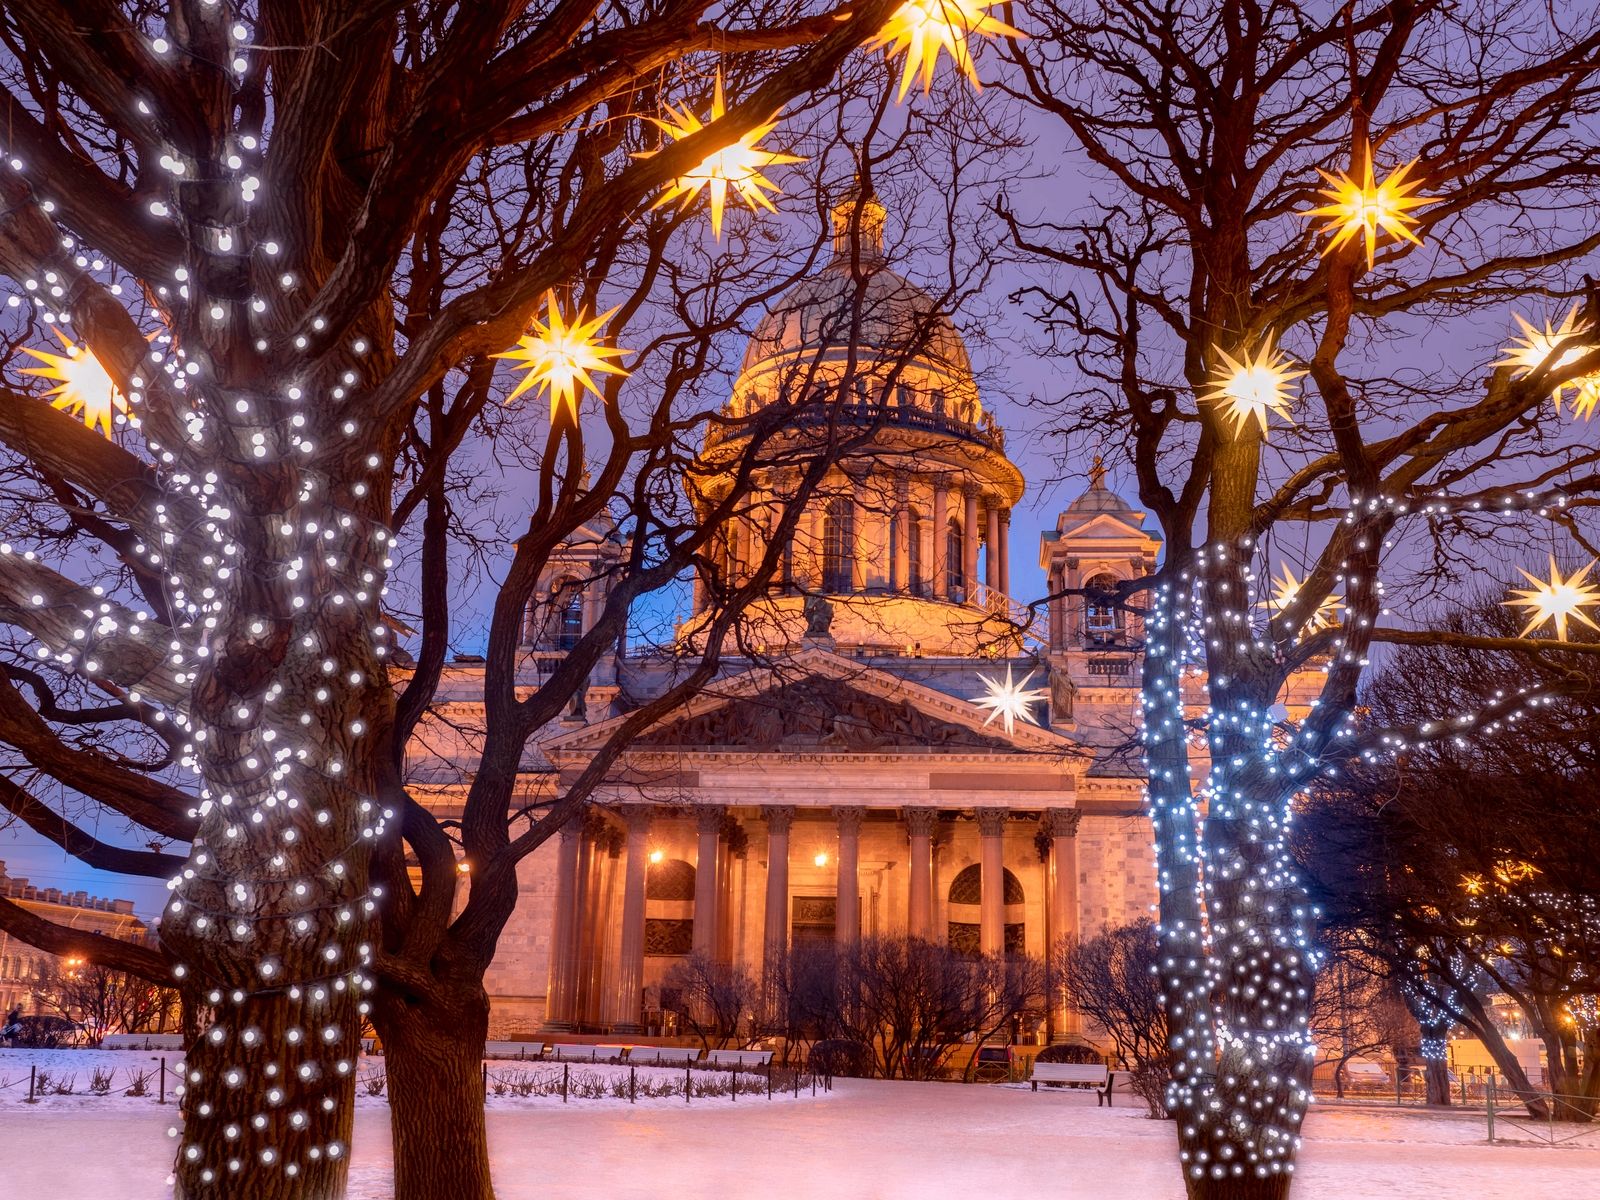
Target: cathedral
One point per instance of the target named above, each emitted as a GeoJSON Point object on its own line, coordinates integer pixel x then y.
{"type": "Point", "coordinates": [911, 752]}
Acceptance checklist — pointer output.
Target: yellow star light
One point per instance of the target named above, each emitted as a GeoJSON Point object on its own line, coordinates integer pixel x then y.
{"type": "Point", "coordinates": [1287, 590]}
{"type": "Point", "coordinates": [560, 355]}
{"type": "Point", "coordinates": [1557, 599]}
{"type": "Point", "coordinates": [86, 388]}
{"type": "Point", "coordinates": [1009, 700]}
{"type": "Point", "coordinates": [1368, 206]}
{"type": "Point", "coordinates": [1536, 349]}
{"type": "Point", "coordinates": [1251, 386]}
{"type": "Point", "coordinates": [922, 28]}
{"type": "Point", "coordinates": [738, 166]}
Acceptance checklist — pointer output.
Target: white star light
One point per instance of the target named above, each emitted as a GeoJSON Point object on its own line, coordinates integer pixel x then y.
{"type": "Point", "coordinates": [1009, 700]}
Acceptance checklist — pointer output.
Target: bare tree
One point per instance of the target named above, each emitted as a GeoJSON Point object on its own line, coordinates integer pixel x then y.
{"type": "Point", "coordinates": [292, 236]}
{"type": "Point", "coordinates": [714, 999]}
{"type": "Point", "coordinates": [104, 1000]}
{"type": "Point", "coordinates": [1201, 276]}
{"type": "Point", "coordinates": [1112, 979]}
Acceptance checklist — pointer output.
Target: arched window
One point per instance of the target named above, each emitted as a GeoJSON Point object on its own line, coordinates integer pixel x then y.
{"type": "Point", "coordinates": [669, 908]}
{"type": "Point", "coordinates": [913, 552]}
{"type": "Point", "coordinates": [571, 618]}
{"type": "Point", "coordinates": [838, 544]}
{"type": "Point", "coordinates": [966, 920]}
{"type": "Point", "coordinates": [1102, 621]}
{"type": "Point", "coordinates": [955, 583]}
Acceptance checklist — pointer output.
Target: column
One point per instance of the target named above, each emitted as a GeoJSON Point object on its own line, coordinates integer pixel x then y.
{"type": "Point", "coordinates": [705, 880]}
{"type": "Point", "coordinates": [811, 559]}
{"type": "Point", "coordinates": [1062, 826]}
{"type": "Point", "coordinates": [630, 964]}
{"type": "Point", "coordinates": [1005, 552]}
{"type": "Point", "coordinates": [969, 543]}
{"type": "Point", "coordinates": [775, 938]}
{"type": "Point", "coordinates": [861, 546]}
{"type": "Point", "coordinates": [991, 560]}
{"type": "Point", "coordinates": [847, 903]}
{"type": "Point", "coordinates": [919, 908]}
{"type": "Point", "coordinates": [941, 540]}
{"type": "Point", "coordinates": [558, 1007]}
{"type": "Point", "coordinates": [991, 859]}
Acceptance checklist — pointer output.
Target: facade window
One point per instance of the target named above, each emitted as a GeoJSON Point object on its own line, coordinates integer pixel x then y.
{"type": "Point", "coordinates": [1102, 624]}
{"type": "Point", "coordinates": [838, 544]}
{"type": "Point", "coordinates": [955, 583]}
{"type": "Point", "coordinates": [571, 619]}
{"type": "Point", "coordinates": [913, 553]}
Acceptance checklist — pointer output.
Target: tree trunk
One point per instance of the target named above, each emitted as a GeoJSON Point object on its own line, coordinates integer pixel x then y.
{"type": "Point", "coordinates": [1437, 1078]}
{"type": "Point", "coordinates": [434, 1058]}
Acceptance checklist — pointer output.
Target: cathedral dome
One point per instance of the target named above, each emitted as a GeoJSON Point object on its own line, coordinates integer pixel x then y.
{"type": "Point", "coordinates": [895, 315]}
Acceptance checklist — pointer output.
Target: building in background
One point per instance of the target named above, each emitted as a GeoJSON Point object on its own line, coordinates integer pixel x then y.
{"type": "Point", "coordinates": [848, 775]}
{"type": "Point", "coordinates": [23, 967]}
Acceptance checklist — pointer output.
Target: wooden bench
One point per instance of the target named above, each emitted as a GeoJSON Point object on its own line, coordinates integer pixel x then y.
{"type": "Point", "coordinates": [1090, 1075]}
{"type": "Point", "coordinates": [663, 1056]}
{"type": "Point", "coordinates": [605, 1051]}
{"type": "Point", "coordinates": [143, 1041]}
{"type": "Point", "coordinates": [517, 1050]}
{"type": "Point", "coordinates": [738, 1058]}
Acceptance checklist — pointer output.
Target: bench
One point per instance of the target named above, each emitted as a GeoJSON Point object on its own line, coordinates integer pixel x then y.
{"type": "Point", "coordinates": [739, 1058]}
{"type": "Point", "coordinates": [576, 1052]}
{"type": "Point", "coordinates": [1091, 1075]}
{"type": "Point", "coordinates": [605, 1051]}
{"type": "Point", "coordinates": [143, 1041]}
{"type": "Point", "coordinates": [663, 1056]}
{"type": "Point", "coordinates": [518, 1050]}
{"type": "Point", "coordinates": [1122, 1079]}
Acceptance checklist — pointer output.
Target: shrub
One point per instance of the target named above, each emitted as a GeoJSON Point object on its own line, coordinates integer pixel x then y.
{"type": "Point", "coordinates": [100, 1081]}
{"type": "Point", "coordinates": [375, 1083]}
{"type": "Point", "coordinates": [140, 1083]}
{"type": "Point", "coordinates": [1069, 1052]}
{"type": "Point", "coordinates": [841, 1057]}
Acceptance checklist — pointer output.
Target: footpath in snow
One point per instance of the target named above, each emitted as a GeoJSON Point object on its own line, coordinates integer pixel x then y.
{"type": "Point", "coordinates": [869, 1140]}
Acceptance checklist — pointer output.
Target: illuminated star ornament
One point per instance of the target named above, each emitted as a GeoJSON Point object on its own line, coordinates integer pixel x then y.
{"type": "Point", "coordinates": [738, 166]}
{"type": "Point", "coordinates": [1368, 207]}
{"type": "Point", "coordinates": [1557, 599]}
{"type": "Point", "coordinates": [560, 355]}
{"type": "Point", "coordinates": [1252, 386]}
{"type": "Point", "coordinates": [922, 28]}
{"type": "Point", "coordinates": [85, 388]}
{"type": "Point", "coordinates": [1536, 349]}
{"type": "Point", "coordinates": [1286, 591]}
{"type": "Point", "coordinates": [1009, 700]}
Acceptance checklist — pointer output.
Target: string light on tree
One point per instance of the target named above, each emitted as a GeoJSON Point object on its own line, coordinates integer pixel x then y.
{"type": "Point", "coordinates": [1541, 350]}
{"type": "Point", "coordinates": [1369, 207]}
{"type": "Point", "coordinates": [85, 388]}
{"type": "Point", "coordinates": [1009, 700]}
{"type": "Point", "coordinates": [1556, 599]}
{"type": "Point", "coordinates": [559, 356]}
{"type": "Point", "coordinates": [922, 28]}
{"type": "Point", "coordinates": [1251, 386]}
{"type": "Point", "coordinates": [737, 167]}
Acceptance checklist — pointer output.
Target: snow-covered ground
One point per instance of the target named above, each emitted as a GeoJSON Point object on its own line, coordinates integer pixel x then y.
{"type": "Point", "coordinates": [870, 1140]}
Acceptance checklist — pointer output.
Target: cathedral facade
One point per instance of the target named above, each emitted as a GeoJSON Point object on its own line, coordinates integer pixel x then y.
{"type": "Point", "coordinates": [852, 778]}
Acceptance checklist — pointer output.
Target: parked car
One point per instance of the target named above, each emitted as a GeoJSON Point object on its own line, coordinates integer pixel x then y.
{"type": "Point", "coordinates": [48, 1031]}
{"type": "Point", "coordinates": [1361, 1072]}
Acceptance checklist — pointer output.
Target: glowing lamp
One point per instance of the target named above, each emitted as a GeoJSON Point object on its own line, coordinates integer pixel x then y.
{"type": "Point", "coordinates": [1009, 700]}
{"type": "Point", "coordinates": [560, 355]}
{"type": "Point", "coordinates": [821, 859]}
{"type": "Point", "coordinates": [85, 388]}
{"type": "Point", "coordinates": [1249, 387]}
{"type": "Point", "coordinates": [656, 856]}
{"type": "Point", "coordinates": [1540, 349]}
{"type": "Point", "coordinates": [738, 167]}
{"type": "Point", "coordinates": [1368, 206]}
{"type": "Point", "coordinates": [1556, 599]}
{"type": "Point", "coordinates": [922, 28]}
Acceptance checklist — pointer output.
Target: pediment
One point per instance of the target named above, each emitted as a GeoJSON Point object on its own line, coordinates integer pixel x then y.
{"type": "Point", "coordinates": [818, 702]}
{"type": "Point", "coordinates": [819, 713]}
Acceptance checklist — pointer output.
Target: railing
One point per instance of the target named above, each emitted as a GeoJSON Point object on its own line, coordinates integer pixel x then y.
{"type": "Point", "coordinates": [858, 412]}
{"type": "Point", "coordinates": [1567, 1118]}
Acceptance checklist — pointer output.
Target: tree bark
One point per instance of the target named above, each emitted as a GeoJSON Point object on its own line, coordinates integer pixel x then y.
{"type": "Point", "coordinates": [434, 1058]}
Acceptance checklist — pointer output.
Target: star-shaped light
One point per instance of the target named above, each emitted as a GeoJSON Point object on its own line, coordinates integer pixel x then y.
{"type": "Point", "coordinates": [1009, 700]}
{"type": "Point", "coordinates": [922, 28]}
{"type": "Point", "coordinates": [738, 166]}
{"type": "Point", "coordinates": [1536, 349]}
{"type": "Point", "coordinates": [85, 390]}
{"type": "Point", "coordinates": [1368, 207]}
{"type": "Point", "coordinates": [560, 355]}
{"type": "Point", "coordinates": [1253, 385]}
{"type": "Point", "coordinates": [1286, 591]}
{"type": "Point", "coordinates": [1557, 599]}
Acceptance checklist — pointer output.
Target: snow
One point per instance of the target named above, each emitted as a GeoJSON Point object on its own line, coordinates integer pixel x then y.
{"type": "Point", "coordinates": [869, 1140]}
